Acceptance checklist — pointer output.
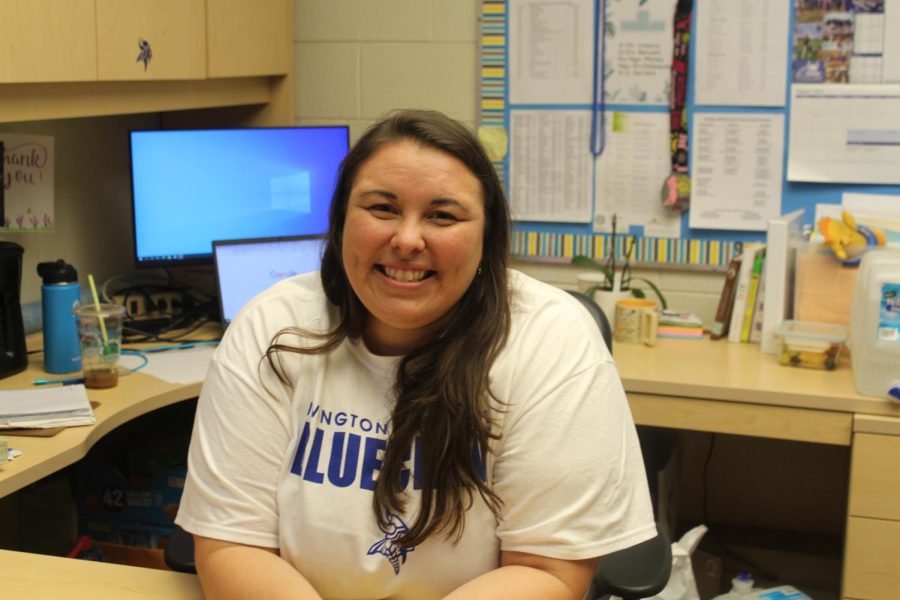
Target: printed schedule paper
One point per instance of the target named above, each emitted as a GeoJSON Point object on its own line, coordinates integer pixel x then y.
{"type": "Point", "coordinates": [741, 52]}
{"type": "Point", "coordinates": [551, 54]}
{"type": "Point", "coordinates": [550, 165]}
{"type": "Point", "coordinates": [736, 170]}
{"type": "Point", "coordinates": [845, 133]}
{"type": "Point", "coordinates": [630, 172]}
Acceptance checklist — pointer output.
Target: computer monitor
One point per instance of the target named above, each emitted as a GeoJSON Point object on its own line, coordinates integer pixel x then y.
{"type": "Point", "coordinates": [190, 187]}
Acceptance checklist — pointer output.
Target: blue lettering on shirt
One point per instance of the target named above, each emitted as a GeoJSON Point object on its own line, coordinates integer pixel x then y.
{"type": "Point", "coordinates": [353, 458]}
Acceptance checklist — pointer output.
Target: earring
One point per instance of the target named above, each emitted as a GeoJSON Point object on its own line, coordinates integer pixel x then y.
{"type": "Point", "coordinates": [478, 272]}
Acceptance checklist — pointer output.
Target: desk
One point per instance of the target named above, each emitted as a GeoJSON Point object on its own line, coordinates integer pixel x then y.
{"type": "Point", "coordinates": [24, 575]}
{"type": "Point", "coordinates": [684, 384]}
{"type": "Point", "coordinates": [135, 395]}
{"type": "Point", "coordinates": [732, 388]}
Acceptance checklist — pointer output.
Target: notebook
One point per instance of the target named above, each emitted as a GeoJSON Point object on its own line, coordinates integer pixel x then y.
{"type": "Point", "coordinates": [244, 268]}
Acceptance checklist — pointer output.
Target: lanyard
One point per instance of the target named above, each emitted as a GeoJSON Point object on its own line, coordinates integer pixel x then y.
{"type": "Point", "coordinates": [598, 106]}
{"type": "Point", "coordinates": [677, 188]}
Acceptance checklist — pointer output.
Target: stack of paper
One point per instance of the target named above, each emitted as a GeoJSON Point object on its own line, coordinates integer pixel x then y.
{"type": "Point", "coordinates": [42, 408]}
{"type": "Point", "coordinates": [676, 324]}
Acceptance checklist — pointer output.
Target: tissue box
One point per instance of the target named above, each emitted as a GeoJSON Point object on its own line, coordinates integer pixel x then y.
{"type": "Point", "coordinates": [810, 344]}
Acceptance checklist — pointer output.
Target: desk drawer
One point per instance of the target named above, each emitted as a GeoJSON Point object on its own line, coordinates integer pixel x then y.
{"type": "Point", "coordinates": [872, 559]}
{"type": "Point", "coordinates": [874, 477]}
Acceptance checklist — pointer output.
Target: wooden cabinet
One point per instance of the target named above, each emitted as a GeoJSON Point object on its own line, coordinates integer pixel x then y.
{"type": "Point", "coordinates": [248, 38]}
{"type": "Point", "coordinates": [47, 41]}
{"type": "Point", "coordinates": [82, 58]}
{"type": "Point", "coordinates": [169, 34]}
{"type": "Point", "coordinates": [872, 551]}
{"type": "Point", "coordinates": [106, 40]}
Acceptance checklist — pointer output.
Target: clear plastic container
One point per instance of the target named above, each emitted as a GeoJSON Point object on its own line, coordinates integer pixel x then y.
{"type": "Point", "coordinates": [875, 325]}
{"type": "Point", "coordinates": [810, 344]}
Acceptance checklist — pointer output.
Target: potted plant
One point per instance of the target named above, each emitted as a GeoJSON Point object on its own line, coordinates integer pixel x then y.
{"type": "Point", "coordinates": [606, 283]}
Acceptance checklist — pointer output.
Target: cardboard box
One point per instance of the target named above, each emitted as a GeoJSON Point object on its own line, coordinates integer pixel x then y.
{"type": "Point", "coordinates": [104, 492]}
{"type": "Point", "coordinates": [125, 533]}
{"type": "Point", "coordinates": [823, 289]}
{"type": "Point", "coordinates": [135, 557]}
{"type": "Point", "coordinates": [707, 569]}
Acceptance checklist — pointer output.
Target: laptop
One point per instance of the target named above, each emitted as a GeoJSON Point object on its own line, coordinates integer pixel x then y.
{"type": "Point", "coordinates": [246, 267]}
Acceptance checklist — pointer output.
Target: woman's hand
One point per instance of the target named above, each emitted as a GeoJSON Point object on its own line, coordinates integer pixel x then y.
{"type": "Point", "coordinates": [523, 576]}
{"type": "Point", "coordinates": [229, 570]}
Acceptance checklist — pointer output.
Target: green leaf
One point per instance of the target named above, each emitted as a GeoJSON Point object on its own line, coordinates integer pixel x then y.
{"type": "Point", "coordinates": [659, 294]}
{"type": "Point", "coordinates": [590, 263]}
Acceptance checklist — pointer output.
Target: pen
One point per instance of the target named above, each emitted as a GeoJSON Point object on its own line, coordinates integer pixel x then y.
{"type": "Point", "coordinates": [71, 381]}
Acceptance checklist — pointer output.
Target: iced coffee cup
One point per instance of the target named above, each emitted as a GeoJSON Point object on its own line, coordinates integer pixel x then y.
{"type": "Point", "coordinates": [100, 335]}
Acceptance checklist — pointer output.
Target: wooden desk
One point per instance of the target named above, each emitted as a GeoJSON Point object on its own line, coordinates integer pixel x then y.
{"type": "Point", "coordinates": [135, 395]}
{"type": "Point", "coordinates": [683, 384]}
{"type": "Point", "coordinates": [24, 575]}
{"type": "Point", "coordinates": [732, 388]}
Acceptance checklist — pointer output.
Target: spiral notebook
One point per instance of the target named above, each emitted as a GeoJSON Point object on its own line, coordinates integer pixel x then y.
{"type": "Point", "coordinates": [246, 267]}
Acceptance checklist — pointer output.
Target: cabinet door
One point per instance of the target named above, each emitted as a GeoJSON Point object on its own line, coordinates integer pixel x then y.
{"type": "Point", "coordinates": [248, 38]}
{"type": "Point", "coordinates": [150, 39]}
{"type": "Point", "coordinates": [47, 40]}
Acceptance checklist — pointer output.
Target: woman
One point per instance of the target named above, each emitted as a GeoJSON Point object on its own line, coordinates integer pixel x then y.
{"type": "Point", "coordinates": [416, 421]}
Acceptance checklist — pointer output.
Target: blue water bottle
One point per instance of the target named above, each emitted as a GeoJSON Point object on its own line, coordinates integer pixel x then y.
{"type": "Point", "coordinates": [60, 293]}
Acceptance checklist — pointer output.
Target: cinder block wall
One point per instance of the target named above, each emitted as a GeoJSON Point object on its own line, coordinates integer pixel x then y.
{"type": "Point", "coordinates": [355, 60]}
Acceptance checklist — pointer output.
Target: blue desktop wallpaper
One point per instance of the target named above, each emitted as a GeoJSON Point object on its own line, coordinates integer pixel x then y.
{"type": "Point", "coordinates": [193, 187]}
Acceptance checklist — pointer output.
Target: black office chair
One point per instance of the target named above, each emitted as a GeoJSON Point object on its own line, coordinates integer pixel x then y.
{"type": "Point", "coordinates": [636, 572]}
{"type": "Point", "coordinates": [179, 552]}
{"type": "Point", "coordinates": [642, 570]}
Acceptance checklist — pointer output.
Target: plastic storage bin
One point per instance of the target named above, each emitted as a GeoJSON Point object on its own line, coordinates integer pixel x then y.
{"type": "Point", "coordinates": [810, 344]}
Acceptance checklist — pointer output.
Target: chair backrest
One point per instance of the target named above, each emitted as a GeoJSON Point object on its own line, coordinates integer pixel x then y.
{"type": "Point", "coordinates": [643, 570]}
{"type": "Point", "coordinates": [596, 312]}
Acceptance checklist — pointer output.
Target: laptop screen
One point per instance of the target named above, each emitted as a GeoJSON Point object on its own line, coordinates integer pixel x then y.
{"type": "Point", "coordinates": [244, 268]}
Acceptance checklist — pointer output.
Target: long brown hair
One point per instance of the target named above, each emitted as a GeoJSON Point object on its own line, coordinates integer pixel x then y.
{"type": "Point", "coordinates": [442, 388]}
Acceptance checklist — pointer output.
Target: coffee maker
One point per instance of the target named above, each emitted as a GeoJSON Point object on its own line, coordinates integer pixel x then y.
{"type": "Point", "coordinates": [13, 356]}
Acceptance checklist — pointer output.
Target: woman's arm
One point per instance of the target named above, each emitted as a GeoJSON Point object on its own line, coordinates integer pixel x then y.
{"type": "Point", "coordinates": [528, 576]}
{"type": "Point", "coordinates": [229, 570]}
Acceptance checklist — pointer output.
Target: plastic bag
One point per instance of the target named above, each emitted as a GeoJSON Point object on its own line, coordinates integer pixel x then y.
{"type": "Point", "coordinates": [682, 585]}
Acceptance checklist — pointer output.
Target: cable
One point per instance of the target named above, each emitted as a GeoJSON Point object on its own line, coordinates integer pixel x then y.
{"type": "Point", "coordinates": [138, 353]}
{"type": "Point", "coordinates": [709, 452]}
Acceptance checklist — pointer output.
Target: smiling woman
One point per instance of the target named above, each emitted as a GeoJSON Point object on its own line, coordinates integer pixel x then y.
{"type": "Point", "coordinates": [484, 449]}
{"type": "Point", "coordinates": [412, 242]}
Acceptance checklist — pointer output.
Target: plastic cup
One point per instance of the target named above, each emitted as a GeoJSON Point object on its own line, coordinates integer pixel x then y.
{"type": "Point", "coordinates": [100, 336]}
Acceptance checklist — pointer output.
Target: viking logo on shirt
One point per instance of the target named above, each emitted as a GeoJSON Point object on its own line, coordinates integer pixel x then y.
{"type": "Point", "coordinates": [394, 553]}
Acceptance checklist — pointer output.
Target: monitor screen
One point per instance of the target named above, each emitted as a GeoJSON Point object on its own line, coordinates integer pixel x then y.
{"type": "Point", "coordinates": [244, 268]}
{"type": "Point", "coordinates": [190, 187]}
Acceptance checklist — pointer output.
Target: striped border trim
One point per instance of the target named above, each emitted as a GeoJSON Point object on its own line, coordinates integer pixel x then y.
{"type": "Point", "coordinates": [492, 64]}
{"type": "Point", "coordinates": [646, 250]}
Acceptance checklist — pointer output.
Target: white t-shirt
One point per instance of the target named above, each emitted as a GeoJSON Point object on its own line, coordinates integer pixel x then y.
{"type": "Point", "coordinates": [294, 468]}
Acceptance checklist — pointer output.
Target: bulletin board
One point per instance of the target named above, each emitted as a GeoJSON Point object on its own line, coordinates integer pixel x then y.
{"type": "Point", "coordinates": [693, 243]}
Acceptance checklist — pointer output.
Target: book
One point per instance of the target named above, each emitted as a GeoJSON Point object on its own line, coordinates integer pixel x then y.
{"type": "Point", "coordinates": [742, 287]}
{"type": "Point", "coordinates": [752, 290]}
{"type": "Point", "coordinates": [679, 324]}
{"type": "Point", "coordinates": [722, 320]}
{"type": "Point", "coordinates": [759, 310]}
{"type": "Point", "coordinates": [691, 333]}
